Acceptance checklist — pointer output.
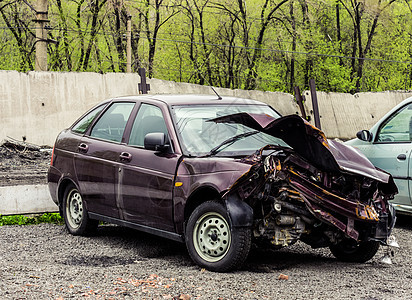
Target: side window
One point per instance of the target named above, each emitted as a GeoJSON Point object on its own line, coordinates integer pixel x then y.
{"type": "Point", "coordinates": [149, 119]}
{"type": "Point", "coordinates": [84, 123]}
{"type": "Point", "coordinates": [112, 123]}
{"type": "Point", "coordinates": [398, 128]}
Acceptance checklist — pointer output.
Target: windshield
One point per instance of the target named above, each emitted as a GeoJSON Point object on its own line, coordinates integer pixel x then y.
{"type": "Point", "coordinates": [199, 135]}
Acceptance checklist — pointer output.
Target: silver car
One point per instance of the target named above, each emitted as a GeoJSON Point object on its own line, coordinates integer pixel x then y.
{"type": "Point", "coordinates": [388, 145]}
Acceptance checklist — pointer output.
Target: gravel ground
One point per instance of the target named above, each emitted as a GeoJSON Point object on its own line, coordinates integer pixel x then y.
{"type": "Point", "coordinates": [45, 262]}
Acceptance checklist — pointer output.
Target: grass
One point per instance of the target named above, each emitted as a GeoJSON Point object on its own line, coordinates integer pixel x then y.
{"type": "Point", "coordinates": [53, 218]}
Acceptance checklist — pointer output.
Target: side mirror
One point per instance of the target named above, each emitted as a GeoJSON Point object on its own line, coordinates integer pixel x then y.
{"type": "Point", "coordinates": [155, 141]}
{"type": "Point", "coordinates": [364, 135]}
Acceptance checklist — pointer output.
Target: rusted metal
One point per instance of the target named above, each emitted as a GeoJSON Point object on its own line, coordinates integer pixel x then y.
{"type": "Point", "coordinates": [299, 100]}
{"type": "Point", "coordinates": [315, 105]}
{"type": "Point", "coordinates": [143, 86]}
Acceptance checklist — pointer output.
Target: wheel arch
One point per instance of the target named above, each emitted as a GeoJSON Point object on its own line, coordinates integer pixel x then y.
{"type": "Point", "coordinates": [239, 212]}
{"type": "Point", "coordinates": [63, 184]}
{"type": "Point", "coordinates": [199, 196]}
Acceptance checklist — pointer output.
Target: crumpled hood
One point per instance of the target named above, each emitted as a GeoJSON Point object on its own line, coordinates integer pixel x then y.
{"type": "Point", "coordinates": [311, 143]}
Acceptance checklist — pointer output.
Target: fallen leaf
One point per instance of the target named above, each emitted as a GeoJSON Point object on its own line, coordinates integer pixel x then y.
{"type": "Point", "coordinates": [283, 277]}
{"type": "Point", "coordinates": [184, 297]}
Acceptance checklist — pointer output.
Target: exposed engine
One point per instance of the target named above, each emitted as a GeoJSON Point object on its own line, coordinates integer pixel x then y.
{"type": "Point", "coordinates": [291, 200]}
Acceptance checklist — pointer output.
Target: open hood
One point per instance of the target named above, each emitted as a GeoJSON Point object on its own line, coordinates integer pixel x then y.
{"type": "Point", "coordinates": [310, 143]}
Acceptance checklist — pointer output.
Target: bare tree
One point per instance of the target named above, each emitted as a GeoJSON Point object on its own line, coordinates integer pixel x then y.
{"type": "Point", "coordinates": [155, 13]}
{"type": "Point", "coordinates": [195, 10]}
{"type": "Point", "coordinates": [356, 10]}
{"type": "Point", "coordinates": [95, 9]}
{"type": "Point", "coordinates": [17, 17]}
{"type": "Point", "coordinates": [267, 15]}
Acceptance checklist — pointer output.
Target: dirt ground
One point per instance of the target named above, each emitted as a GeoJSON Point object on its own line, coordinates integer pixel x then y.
{"type": "Point", "coordinates": [46, 262]}
{"type": "Point", "coordinates": [22, 163]}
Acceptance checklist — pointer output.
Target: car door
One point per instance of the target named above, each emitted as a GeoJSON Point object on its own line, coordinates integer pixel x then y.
{"type": "Point", "coordinates": [391, 151]}
{"type": "Point", "coordinates": [147, 177]}
{"type": "Point", "coordinates": [98, 159]}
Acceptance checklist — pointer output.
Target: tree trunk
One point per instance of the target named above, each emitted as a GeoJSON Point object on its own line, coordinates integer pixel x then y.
{"type": "Point", "coordinates": [118, 38]}
{"type": "Point", "coordinates": [66, 44]}
{"type": "Point", "coordinates": [257, 52]}
{"type": "Point", "coordinates": [95, 8]}
{"type": "Point", "coordinates": [292, 60]}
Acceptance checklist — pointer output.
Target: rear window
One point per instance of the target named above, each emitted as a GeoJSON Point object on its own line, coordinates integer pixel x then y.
{"type": "Point", "coordinates": [84, 123]}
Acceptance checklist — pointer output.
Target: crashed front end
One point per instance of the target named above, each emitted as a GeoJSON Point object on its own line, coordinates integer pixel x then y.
{"type": "Point", "coordinates": [318, 191]}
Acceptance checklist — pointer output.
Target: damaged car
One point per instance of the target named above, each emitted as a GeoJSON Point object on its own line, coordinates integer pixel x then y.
{"type": "Point", "coordinates": [219, 173]}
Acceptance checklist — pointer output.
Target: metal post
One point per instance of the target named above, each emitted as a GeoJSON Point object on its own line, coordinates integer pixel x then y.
{"type": "Point", "coordinates": [299, 100]}
{"type": "Point", "coordinates": [41, 35]}
{"type": "Point", "coordinates": [315, 105]}
{"type": "Point", "coordinates": [129, 44]}
{"type": "Point", "coordinates": [143, 86]}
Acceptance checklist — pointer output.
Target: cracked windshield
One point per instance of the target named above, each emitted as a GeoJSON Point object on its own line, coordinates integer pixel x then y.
{"type": "Point", "coordinates": [202, 136]}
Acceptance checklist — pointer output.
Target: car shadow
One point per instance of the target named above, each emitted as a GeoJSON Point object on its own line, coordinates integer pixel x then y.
{"type": "Point", "coordinates": [403, 221]}
{"type": "Point", "coordinates": [268, 260]}
{"type": "Point", "coordinates": [133, 246]}
{"type": "Point", "coordinates": [146, 246]}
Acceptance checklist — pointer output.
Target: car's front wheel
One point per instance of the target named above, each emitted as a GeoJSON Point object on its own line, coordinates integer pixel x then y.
{"type": "Point", "coordinates": [352, 251]}
{"type": "Point", "coordinates": [75, 213]}
{"type": "Point", "coordinates": [212, 243]}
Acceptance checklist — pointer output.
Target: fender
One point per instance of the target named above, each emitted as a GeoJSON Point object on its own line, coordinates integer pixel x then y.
{"type": "Point", "coordinates": [240, 213]}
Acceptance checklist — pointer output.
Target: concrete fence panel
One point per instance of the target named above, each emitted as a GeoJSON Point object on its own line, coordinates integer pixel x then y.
{"type": "Point", "coordinates": [38, 105]}
{"type": "Point", "coordinates": [342, 115]}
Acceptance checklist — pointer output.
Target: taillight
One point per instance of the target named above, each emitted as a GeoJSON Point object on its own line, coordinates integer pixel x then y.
{"type": "Point", "coordinates": [52, 156]}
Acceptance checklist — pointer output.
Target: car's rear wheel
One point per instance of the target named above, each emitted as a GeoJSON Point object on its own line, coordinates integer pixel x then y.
{"type": "Point", "coordinates": [352, 251]}
{"type": "Point", "coordinates": [75, 213]}
{"type": "Point", "coordinates": [212, 242]}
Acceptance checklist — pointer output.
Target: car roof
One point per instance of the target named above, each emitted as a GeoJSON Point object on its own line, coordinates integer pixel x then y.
{"type": "Point", "coordinates": [190, 99]}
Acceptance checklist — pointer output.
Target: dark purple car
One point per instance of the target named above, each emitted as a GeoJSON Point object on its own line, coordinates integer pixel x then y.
{"type": "Point", "coordinates": [218, 174]}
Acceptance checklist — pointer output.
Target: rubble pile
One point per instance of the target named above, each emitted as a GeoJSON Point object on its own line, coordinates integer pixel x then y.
{"type": "Point", "coordinates": [23, 163]}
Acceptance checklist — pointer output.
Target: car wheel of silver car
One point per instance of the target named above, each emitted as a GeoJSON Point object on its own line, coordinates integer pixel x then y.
{"type": "Point", "coordinates": [352, 251]}
{"type": "Point", "coordinates": [212, 242]}
{"type": "Point", "coordinates": [75, 214]}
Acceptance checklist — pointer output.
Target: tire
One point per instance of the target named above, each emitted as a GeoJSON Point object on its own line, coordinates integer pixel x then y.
{"type": "Point", "coordinates": [211, 241]}
{"type": "Point", "coordinates": [351, 251]}
{"type": "Point", "coordinates": [75, 213]}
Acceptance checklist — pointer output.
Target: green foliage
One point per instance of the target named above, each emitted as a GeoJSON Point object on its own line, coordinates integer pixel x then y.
{"type": "Point", "coordinates": [54, 218]}
{"type": "Point", "coordinates": [263, 44]}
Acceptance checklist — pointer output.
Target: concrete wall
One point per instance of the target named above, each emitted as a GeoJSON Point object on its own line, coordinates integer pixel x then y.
{"type": "Point", "coordinates": [342, 115]}
{"type": "Point", "coordinates": [26, 199]}
{"type": "Point", "coordinates": [38, 105]}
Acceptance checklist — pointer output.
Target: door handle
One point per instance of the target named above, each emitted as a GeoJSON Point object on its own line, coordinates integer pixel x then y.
{"type": "Point", "coordinates": [83, 148]}
{"type": "Point", "coordinates": [125, 156]}
{"type": "Point", "coordinates": [401, 156]}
